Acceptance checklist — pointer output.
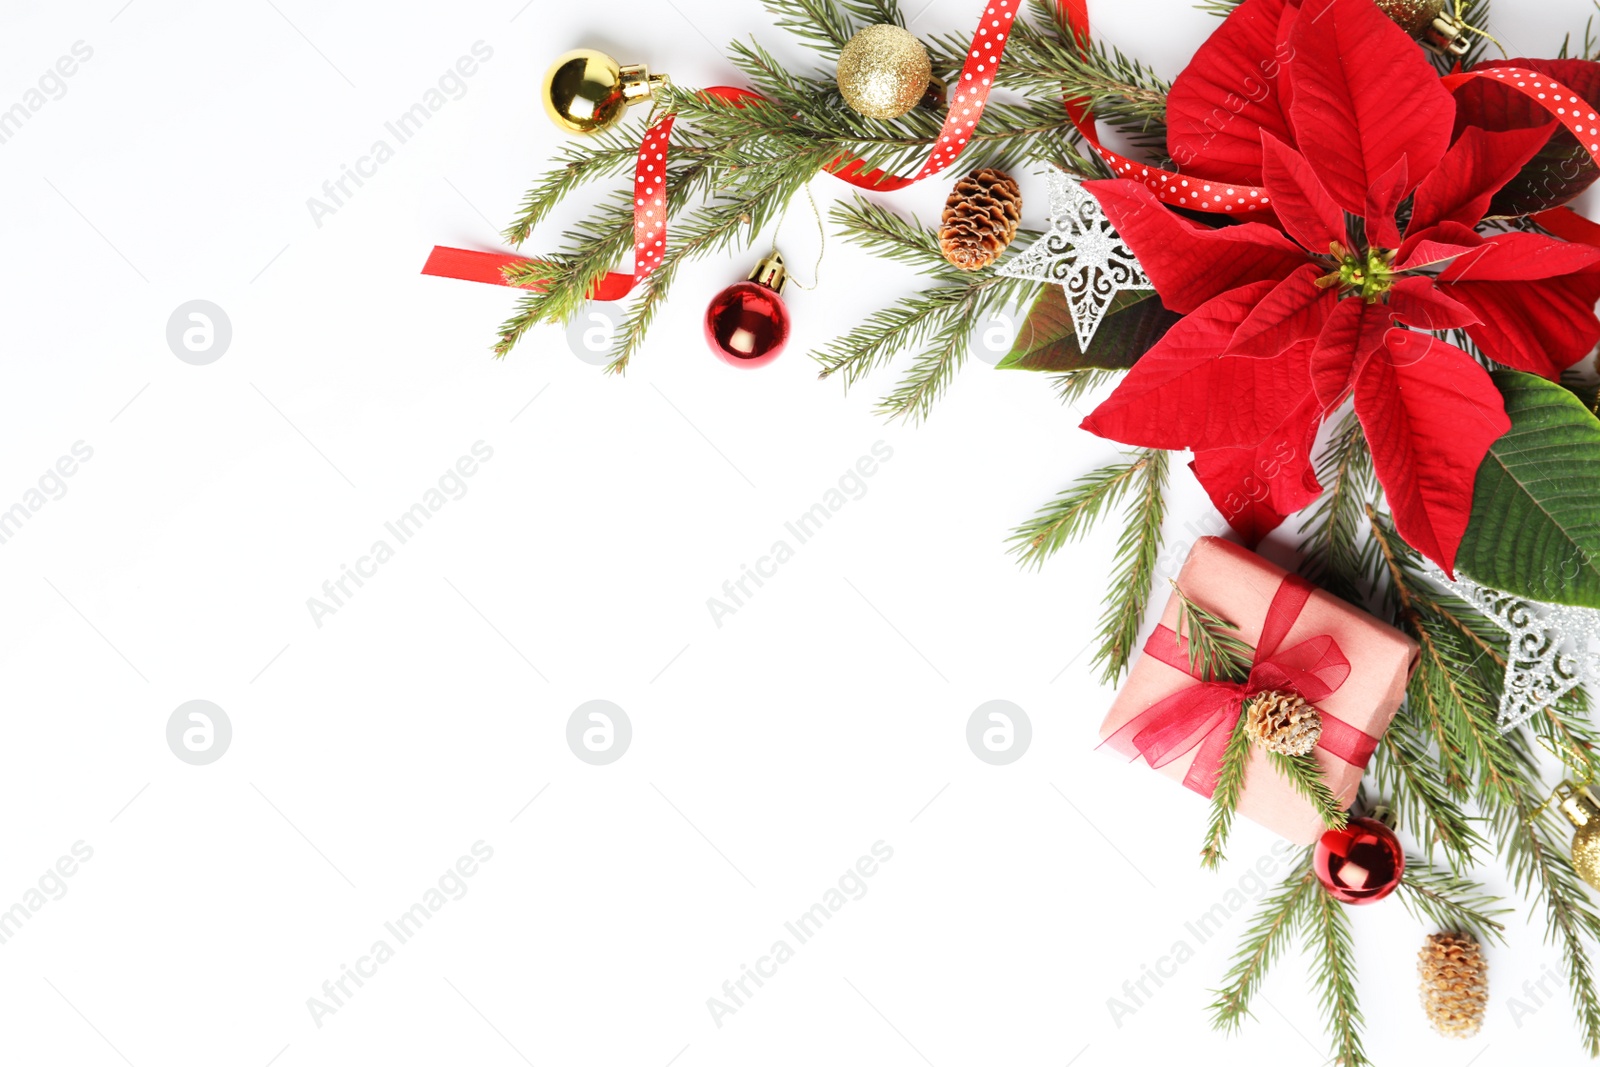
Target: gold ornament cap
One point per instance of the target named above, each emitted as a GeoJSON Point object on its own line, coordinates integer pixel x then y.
{"type": "Point", "coordinates": [1448, 35]}
{"type": "Point", "coordinates": [586, 91]}
{"type": "Point", "coordinates": [884, 71]}
{"type": "Point", "coordinates": [1583, 812]}
{"type": "Point", "coordinates": [1432, 22]}
{"type": "Point", "coordinates": [771, 271]}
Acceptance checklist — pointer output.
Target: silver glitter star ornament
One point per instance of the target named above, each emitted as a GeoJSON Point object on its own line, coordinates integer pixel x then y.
{"type": "Point", "coordinates": [1083, 254]}
{"type": "Point", "coordinates": [1554, 648]}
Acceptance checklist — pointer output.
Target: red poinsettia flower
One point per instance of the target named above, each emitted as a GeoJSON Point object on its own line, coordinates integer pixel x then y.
{"type": "Point", "coordinates": [1332, 111]}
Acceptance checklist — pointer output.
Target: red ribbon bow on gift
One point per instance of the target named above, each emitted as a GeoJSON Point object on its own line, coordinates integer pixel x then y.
{"type": "Point", "coordinates": [1203, 715]}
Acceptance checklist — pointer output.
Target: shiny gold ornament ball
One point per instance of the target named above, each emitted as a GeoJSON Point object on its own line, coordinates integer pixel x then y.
{"type": "Point", "coordinates": [586, 91]}
{"type": "Point", "coordinates": [884, 71]}
{"type": "Point", "coordinates": [1413, 16]}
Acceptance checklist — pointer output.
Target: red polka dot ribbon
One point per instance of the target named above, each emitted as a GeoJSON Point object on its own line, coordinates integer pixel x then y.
{"type": "Point", "coordinates": [650, 199]}
{"type": "Point", "coordinates": [1169, 186]}
{"type": "Point", "coordinates": [1564, 105]}
{"type": "Point", "coordinates": [1572, 111]}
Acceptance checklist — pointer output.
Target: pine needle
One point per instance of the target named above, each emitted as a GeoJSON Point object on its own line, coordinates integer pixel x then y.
{"type": "Point", "coordinates": [1407, 773]}
{"type": "Point", "coordinates": [1450, 901]}
{"type": "Point", "coordinates": [1215, 649]}
{"type": "Point", "coordinates": [1225, 799]}
{"type": "Point", "coordinates": [1133, 569]}
{"type": "Point", "coordinates": [1275, 923]}
{"type": "Point", "coordinates": [1073, 385]}
{"type": "Point", "coordinates": [820, 24]}
{"type": "Point", "coordinates": [938, 321]}
{"type": "Point", "coordinates": [1338, 550]}
{"type": "Point", "coordinates": [1076, 511]}
{"type": "Point", "coordinates": [1326, 924]}
{"type": "Point", "coordinates": [1305, 774]}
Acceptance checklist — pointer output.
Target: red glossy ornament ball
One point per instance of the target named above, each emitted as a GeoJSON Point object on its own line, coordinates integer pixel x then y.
{"type": "Point", "coordinates": [747, 325]}
{"type": "Point", "coordinates": [1360, 864]}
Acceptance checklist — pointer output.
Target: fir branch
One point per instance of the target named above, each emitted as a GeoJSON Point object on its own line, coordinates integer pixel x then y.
{"type": "Point", "coordinates": [1134, 568]}
{"type": "Point", "coordinates": [1073, 513]}
{"type": "Point", "coordinates": [1463, 683]}
{"type": "Point", "coordinates": [1269, 933]}
{"type": "Point", "coordinates": [934, 368]}
{"type": "Point", "coordinates": [1305, 775]}
{"type": "Point", "coordinates": [820, 24]}
{"type": "Point", "coordinates": [1326, 925]}
{"type": "Point", "coordinates": [939, 321]}
{"type": "Point", "coordinates": [1404, 770]}
{"type": "Point", "coordinates": [1225, 799]}
{"type": "Point", "coordinates": [1534, 855]}
{"type": "Point", "coordinates": [889, 235]}
{"type": "Point", "coordinates": [605, 155]}
{"type": "Point", "coordinates": [1074, 384]}
{"type": "Point", "coordinates": [872, 12]}
{"type": "Point", "coordinates": [745, 154]}
{"type": "Point", "coordinates": [907, 322]}
{"type": "Point", "coordinates": [1568, 730]}
{"type": "Point", "coordinates": [1434, 691]}
{"type": "Point", "coordinates": [1339, 556]}
{"type": "Point", "coordinates": [1046, 63]}
{"type": "Point", "coordinates": [1213, 643]}
{"type": "Point", "coordinates": [1451, 901]}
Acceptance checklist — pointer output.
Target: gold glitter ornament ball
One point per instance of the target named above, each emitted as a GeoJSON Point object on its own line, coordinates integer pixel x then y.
{"type": "Point", "coordinates": [1578, 804]}
{"type": "Point", "coordinates": [884, 72]}
{"type": "Point", "coordinates": [1413, 16]}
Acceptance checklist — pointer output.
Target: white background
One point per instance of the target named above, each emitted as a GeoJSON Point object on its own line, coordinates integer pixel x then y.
{"type": "Point", "coordinates": [370, 753]}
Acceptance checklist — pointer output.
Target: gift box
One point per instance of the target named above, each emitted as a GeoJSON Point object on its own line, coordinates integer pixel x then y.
{"type": "Point", "coordinates": [1310, 636]}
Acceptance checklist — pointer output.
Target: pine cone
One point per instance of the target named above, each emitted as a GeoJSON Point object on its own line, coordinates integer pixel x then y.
{"type": "Point", "coordinates": [1455, 984]}
{"type": "Point", "coordinates": [1284, 723]}
{"type": "Point", "coordinates": [980, 218]}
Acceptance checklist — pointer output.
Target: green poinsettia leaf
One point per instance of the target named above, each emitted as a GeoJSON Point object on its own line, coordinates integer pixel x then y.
{"type": "Point", "coordinates": [1047, 341]}
{"type": "Point", "coordinates": [1535, 527]}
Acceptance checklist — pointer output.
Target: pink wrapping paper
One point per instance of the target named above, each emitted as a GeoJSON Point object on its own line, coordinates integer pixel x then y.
{"type": "Point", "coordinates": [1238, 585]}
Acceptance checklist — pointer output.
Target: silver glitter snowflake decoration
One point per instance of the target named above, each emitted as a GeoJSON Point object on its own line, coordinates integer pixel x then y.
{"type": "Point", "coordinates": [1083, 253]}
{"type": "Point", "coordinates": [1554, 648]}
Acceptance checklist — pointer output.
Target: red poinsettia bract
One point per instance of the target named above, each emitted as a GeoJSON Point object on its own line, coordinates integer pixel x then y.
{"type": "Point", "coordinates": [1348, 126]}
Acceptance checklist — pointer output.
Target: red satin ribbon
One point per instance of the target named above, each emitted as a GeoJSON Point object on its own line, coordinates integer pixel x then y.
{"type": "Point", "coordinates": [1203, 715]}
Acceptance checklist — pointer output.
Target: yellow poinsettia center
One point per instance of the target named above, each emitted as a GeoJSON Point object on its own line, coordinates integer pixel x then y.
{"type": "Point", "coordinates": [1368, 274]}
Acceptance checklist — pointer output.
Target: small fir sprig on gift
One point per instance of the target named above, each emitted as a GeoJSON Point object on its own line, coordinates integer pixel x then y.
{"type": "Point", "coordinates": [1225, 799]}
{"type": "Point", "coordinates": [1217, 651]}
